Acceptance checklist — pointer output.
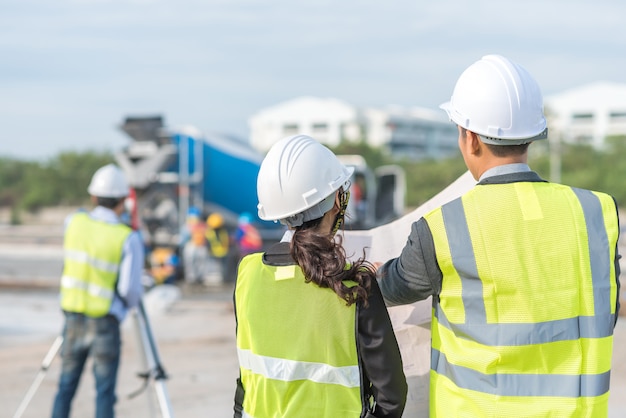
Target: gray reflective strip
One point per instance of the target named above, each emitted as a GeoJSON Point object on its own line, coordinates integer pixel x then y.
{"type": "Point", "coordinates": [464, 260]}
{"type": "Point", "coordinates": [559, 385]}
{"type": "Point", "coordinates": [462, 253]}
{"type": "Point", "coordinates": [531, 333]}
{"type": "Point", "coordinates": [83, 257]}
{"type": "Point", "coordinates": [92, 289]}
{"type": "Point", "coordinates": [290, 370]}
{"type": "Point", "coordinates": [599, 251]}
{"type": "Point", "coordinates": [598, 326]}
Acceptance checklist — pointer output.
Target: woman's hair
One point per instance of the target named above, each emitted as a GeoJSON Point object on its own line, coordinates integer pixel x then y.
{"type": "Point", "coordinates": [323, 261]}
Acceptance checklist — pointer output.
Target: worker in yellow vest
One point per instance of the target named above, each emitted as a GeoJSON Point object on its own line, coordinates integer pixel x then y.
{"type": "Point", "coordinates": [101, 281]}
{"type": "Point", "coordinates": [218, 240]}
{"type": "Point", "coordinates": [314, 338]}
{"type": "Point", "coordinates": [524, 273]}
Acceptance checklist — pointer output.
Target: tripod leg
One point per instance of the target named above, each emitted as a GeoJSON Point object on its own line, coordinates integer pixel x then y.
{"type": "Point", "coordinates": [147, 364]}
{"type": "Point", "coordinates": [52, 352]}
{"type": "Point", "coordinates": [154, 362]}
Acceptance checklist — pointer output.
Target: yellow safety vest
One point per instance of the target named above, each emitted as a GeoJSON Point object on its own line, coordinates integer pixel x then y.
{"type": "Point", "coordinates": [524, 327]}
{"type": "Point", "coordinates": [93, 253]}
{"type": "Point", "coordinates": [218, 242]}
{"type": "Point", "coordinates": [296, 344]}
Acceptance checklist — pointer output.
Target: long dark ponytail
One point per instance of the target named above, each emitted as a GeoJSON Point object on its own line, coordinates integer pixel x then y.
{"type": "Point", "coordinates": [323, 261]}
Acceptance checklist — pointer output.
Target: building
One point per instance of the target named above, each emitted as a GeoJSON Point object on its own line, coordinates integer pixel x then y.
{"type": "Point", "coordinates": [407, 132]}
{"type": "Point", "coordinates": [326, 119]}
{"type": "Point", "coordinates": [588, 114]}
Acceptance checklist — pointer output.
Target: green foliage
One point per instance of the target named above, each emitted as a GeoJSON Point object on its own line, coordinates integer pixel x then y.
{"type": "Point", "coordinates": [62, 180]}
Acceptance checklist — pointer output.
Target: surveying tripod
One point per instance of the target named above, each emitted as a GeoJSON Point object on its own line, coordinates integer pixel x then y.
{"type": "Point", "coordinates": [151, 362]}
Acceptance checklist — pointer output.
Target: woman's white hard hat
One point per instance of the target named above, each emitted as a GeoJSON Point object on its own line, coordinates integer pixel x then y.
{"type": "Point", "coordinates": [500, 101]}
{"type": "Point", "coordinates": [109, 181]}
{"type": "Point", "coordinates": [299, 176]}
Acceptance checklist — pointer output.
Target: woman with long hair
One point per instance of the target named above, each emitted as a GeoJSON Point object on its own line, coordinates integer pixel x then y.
{"type": "Point", "coordinates": [314, 337]}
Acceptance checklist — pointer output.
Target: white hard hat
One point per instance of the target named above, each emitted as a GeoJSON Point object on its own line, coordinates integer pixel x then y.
{"type": "Point", "coordinates": [299, 176]}
{"type": "Point", "coordinates": [108, 181]}
{"type": "Point", "coordinates": [500, 101]}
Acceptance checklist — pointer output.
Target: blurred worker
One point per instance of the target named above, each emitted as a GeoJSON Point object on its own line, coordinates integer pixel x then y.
{"type": "Point", "coordinates": [218, 239]}
{"type": "Point", "coordinates": [195, 252]}
{"type": "Point", "coordinates": [164, 265]}
{"type": "Point", "coordinates": [247, 236]}
{"type": "Point", "coordinates": [101, 281]}
{"type": "Point", "coordinates": [524, 273]}
{"type": "Point", "coordinates": [313, 335]}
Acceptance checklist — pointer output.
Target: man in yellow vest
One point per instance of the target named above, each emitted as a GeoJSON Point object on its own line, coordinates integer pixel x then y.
{"type": "Point", "coordinates": [101, 281]}
{"type": "Point", "coordinates": [524, 273]}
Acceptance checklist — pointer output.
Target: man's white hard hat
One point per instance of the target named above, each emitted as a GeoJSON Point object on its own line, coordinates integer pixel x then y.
{"type": "Point", "coordinates": [500, 101]}
{"type": "Point", "coordinates": [298, 179]}
{"type": "Point", "coordinates": [109, 181]}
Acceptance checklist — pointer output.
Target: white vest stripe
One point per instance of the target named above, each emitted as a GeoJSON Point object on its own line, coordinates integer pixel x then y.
{"type": "Point", "coordinates": [501, 384]}
{"type": "Point", "coordinates": [83, 257]}
{"type": "Point", "coordinates": [91, 288]}
{"type": "Point", "coordinates": [290, 370]}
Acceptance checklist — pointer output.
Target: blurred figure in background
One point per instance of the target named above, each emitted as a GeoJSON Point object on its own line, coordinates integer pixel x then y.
{"type": "Point", "coordinates": [247, 236]}
{"type": "Point", "coordinates": [101, 281]}
{"type": "Point", "coordinates": [164, 265]}
{"type": "Point", "coordinates": [195, 252]}
{"type": "Point", "coordinates": [218, 239]}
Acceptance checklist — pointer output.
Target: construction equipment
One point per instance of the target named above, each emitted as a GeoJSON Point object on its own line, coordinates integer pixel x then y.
{"type": "Point", "coordinates": [152, 364]}
{"type": "Point", "coordinates": [173, 170]}
{"type": "Point", "coordinates": [382, 193]}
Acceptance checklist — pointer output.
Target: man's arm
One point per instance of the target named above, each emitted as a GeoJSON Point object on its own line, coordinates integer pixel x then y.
{"type": "Point", "coordinates": [129, 285]}
{"type": "Point", "coordinates": [415, 274]}
{"type": "Point", "coordinates": [380, 357]}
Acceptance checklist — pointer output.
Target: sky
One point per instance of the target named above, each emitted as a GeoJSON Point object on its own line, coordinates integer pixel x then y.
{"type": "Point", "coordinates": [71, 71]}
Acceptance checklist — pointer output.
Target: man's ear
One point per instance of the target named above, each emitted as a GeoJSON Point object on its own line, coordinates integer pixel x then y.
{"type": "Point", "coordinates": [474, 144]}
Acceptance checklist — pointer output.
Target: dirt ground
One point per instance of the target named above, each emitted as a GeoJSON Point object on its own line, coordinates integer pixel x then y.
{"type": "Point", "coordinates": [195, 343]}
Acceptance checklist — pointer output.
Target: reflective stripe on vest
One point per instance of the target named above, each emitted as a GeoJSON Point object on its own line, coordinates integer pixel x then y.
{"type": "Point", "coordinates": [296, 344]}
{"type": "Point", "coordinates": [93, 253]}
{"type": "Point", "coordinates": [531, 319]}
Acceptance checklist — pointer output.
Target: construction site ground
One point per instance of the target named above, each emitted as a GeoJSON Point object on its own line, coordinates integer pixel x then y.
{"type": "Point", "coordinates": [193, 327]}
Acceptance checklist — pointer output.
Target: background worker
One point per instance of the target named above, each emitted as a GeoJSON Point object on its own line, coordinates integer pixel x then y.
{"type": "Point", "coordinates": [246, 236]}
{"type": "Point", "coordinates": [218, 239]}
{"type": "Point", "coordinates": [523, 272]}
{"type": "Point", "coordinates": [101, 281]}
{"type": "Point", "coordinates": [195, 252]}
{"type": "Point", "coordinates": [314, 338]}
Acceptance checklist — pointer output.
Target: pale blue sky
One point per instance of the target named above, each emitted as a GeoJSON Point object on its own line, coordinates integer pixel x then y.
{"type": "Point", "coordinates": [71, 70]}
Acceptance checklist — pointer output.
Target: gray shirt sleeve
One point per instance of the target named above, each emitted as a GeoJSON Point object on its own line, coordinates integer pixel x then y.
{"type": "Point", "coordinates": [415, 274]}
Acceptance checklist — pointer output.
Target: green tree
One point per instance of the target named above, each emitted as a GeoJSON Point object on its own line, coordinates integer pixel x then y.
{"type": "Point", "coordinates": [62, 180]}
